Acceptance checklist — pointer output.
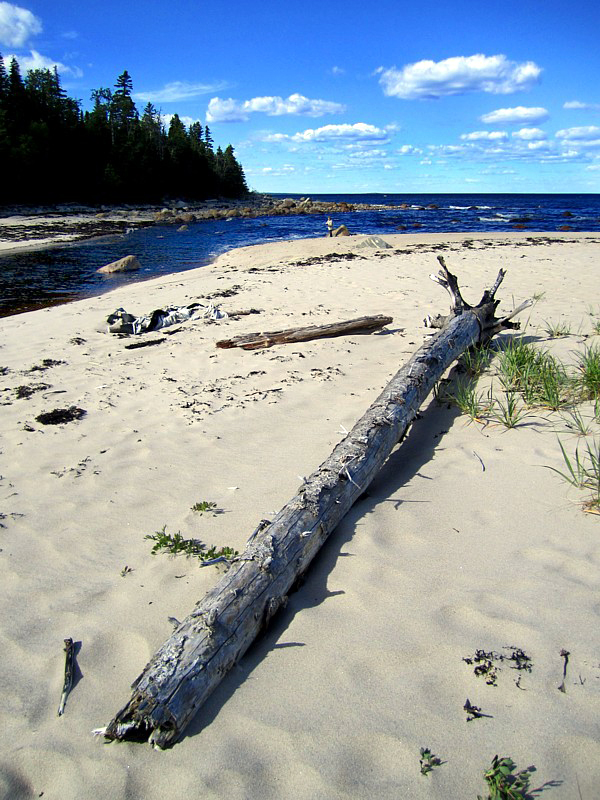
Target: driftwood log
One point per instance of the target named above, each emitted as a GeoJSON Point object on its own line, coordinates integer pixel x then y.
{"type": "Point", "coordinates": [204, 647]}
{"type": "Point", "coordinates": [254, 341]}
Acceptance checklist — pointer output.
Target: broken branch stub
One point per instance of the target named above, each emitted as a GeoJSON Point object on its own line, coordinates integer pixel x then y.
{"type": "Point", "coordinates": [204, 647]}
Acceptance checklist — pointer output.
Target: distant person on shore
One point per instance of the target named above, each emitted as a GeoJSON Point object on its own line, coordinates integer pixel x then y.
{"type": "Point", "coordinates": [330, 226]}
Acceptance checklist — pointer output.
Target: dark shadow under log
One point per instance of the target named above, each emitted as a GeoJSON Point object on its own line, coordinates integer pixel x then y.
{"type": "Point", "coordinates": [204, 647]}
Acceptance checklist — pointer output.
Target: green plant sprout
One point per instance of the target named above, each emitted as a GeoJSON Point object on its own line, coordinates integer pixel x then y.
{"type": "Point", "coordinates": [428, 761]}
{"type": "Point", "coordinates": [504, 783]}
{"type": "Point", "coordinates": [176, 544]}
{"type": "Point", "coordinates": [206, 506]}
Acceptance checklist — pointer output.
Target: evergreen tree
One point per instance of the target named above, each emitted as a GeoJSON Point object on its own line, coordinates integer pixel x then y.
{"type": "Point", "coordinates": [3, 82]}
{"type": "Point", "coordinates": [208, 140]}
{"type": "Point", "coordinates": [232, 175]}
{"type": "Point", "coordinates": [123, 113]}
{"type": "Point", "coordinates": [15, 99]}
{"type": "Point", "coordinates": [197, 138]}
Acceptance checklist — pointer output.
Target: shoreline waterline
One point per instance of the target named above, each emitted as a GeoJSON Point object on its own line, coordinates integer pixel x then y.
{"type": "Point", "coordinates": [35, 271]}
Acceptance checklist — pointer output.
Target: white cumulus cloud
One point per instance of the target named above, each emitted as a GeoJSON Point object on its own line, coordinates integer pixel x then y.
{"type": "Point", "coordinates": [516, 115]}
{"type": "Point", "coordinates": [17, 25]}
{"type": "Point", "coordinates": [491, 136]}
{"type": "Point", "coordinates": [459, 75]}
{"type": "Point", "coordinates": [530, 134]}
{"type": "Point", "coordinates": [583, 106]}
{"type": "Point", "coordinates": [585, 133]}
{"type": "Point", "coordinates": [539, 145]}
{"type": "Point", "coordinates": [409, 150]}
{"type": "Point", "coordinates": [178, 90]}
{"type": "Point", "coordinates": [359, 132]}
{"type": "Point", "coordinates": [230, 110]}
{"type": "Point", "coordinates": [36, 60]}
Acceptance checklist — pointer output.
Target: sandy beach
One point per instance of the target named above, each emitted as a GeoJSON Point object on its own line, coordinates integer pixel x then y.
{"type": "Point", "coordinates": [466, 541]}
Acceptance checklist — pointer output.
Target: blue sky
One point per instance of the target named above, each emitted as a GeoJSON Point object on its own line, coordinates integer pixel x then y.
{"type": "Point", "coordinates": [336, 96]}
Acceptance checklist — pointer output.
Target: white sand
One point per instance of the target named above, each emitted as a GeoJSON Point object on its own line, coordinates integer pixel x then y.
{"type": "Point", "coordinates": [365, 666]}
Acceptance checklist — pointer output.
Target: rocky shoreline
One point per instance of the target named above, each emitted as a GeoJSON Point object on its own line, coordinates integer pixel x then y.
{"type": "Point", "coordinates": [47, 225]}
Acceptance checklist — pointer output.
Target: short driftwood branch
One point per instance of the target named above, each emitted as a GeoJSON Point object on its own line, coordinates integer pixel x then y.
{"type": "Point", "coordinates": [254, 341]}
{"type": "Point", "coordinates": [204, 647]}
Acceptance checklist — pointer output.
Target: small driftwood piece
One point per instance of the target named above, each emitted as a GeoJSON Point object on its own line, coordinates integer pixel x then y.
{"type": "Point", "coordinates": [69, 674]}
{"type": "Point", "coordinates": [254, 341]}
{"type": "Point", "coordinates": [205, 645]}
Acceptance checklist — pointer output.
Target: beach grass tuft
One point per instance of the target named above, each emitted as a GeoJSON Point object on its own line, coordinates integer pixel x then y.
{"type": "Point", "coordinates": [576, 423]}
{"type": "Point", "coordinates": [476, 360]}
{"type": "Point", "coordinates": [507, 412]}
{"type": "Point", "coordinates": [466, 398]}
{"type": "Point", "coordinates": [539, 377]}
{"type": "Point", "coordinates": [557, 329]}
{"type": "Point", "coordinates": [589, 372]}
{"type": "Point", "coordinates": [583, 472]}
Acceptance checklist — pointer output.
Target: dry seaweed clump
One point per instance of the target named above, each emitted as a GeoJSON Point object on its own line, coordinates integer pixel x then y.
{"type": "Point", "coordinates": [61, 415]}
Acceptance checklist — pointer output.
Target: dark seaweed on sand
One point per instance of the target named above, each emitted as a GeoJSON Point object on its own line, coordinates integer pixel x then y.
{"type": "Point", "coordinates": [61, 415]}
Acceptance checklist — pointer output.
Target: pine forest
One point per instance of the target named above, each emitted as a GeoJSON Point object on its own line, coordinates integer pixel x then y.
{"type": "Point", "coordinates": [53, 152]}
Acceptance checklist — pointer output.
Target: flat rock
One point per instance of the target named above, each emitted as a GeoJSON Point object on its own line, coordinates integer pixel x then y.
{"type": "Point", "coordinates": [375, 242]}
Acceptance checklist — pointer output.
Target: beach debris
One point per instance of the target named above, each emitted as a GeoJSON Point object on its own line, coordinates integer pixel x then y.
{"type": "Point", "coordinates": [474, 712]}
{"type": "Point", "coordinates": [125, 571]}
{"type": "Point", "coordinates": [59, 416]}
{"type": "Point", "coordinates": [69, 674]}
{"type": "Point", "coordinates": [486, 666]}
{"type": "Point", "coordinates": [25, 392]}
{"type": "Point", "coordinates": [373, 242]}
{"type": "Point", "coordinates": [126, 264]}
{"type": "Point", "coordinates": [122, 322]}
{"type": "Point", "coordinates": [244, 312]}
{"type": "Point", "coordinates": [145, 343]}
{"type": "Point", "coordinates": [255, 341]}
{"type": "Point", "coordinates": [46, 364]}
{"type": "Point", "coordinates": [564, 654]}
{"type": "Point", "coordinates": [428, 761]}
{"type": "Point", "coordinates": [193, 661]}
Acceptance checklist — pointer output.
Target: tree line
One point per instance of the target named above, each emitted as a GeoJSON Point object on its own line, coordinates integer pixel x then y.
{"type": "Point", "coordinates": [51, 151]}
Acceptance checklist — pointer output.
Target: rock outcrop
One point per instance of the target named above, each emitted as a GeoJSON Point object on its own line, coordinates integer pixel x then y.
{"type": "Point", "coordinates": [125, 264]}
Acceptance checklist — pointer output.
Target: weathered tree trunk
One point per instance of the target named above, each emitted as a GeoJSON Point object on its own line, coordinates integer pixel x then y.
{"type": "Point", "coordinates": [254, 341]}
{"type": "Point", "coordinates": [204, 647]}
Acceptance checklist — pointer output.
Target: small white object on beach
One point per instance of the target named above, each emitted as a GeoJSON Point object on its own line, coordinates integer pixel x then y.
{"type": "Point", "coordinates": [125, 264]}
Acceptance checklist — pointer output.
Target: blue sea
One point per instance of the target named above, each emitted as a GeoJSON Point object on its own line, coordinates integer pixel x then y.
{"type": "Point", "coordinates": [41, 278]}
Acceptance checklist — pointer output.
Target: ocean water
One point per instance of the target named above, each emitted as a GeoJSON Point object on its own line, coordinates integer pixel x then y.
{"type": "Point", "coordinates": [41, 278]}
